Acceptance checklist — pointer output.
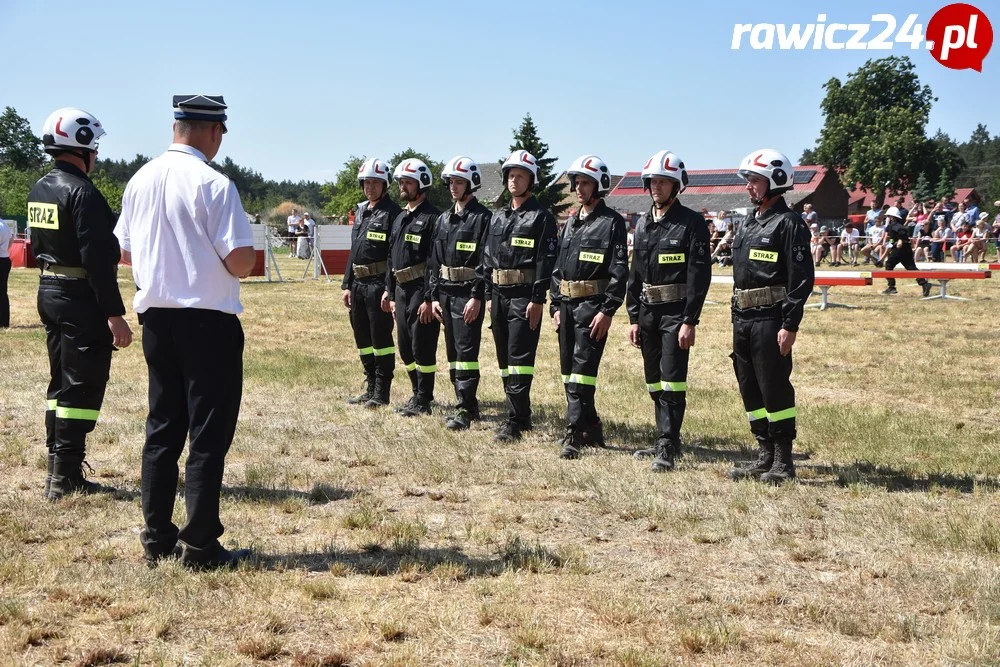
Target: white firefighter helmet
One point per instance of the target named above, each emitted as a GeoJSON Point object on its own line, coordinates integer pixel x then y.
{"type": "Point", "coordinates": [374, 167]}
{"type": "Point", "coordinates": [415, 169]}
{"type": "Point", "coordinates": [667, 165]}
{"type": "Point", "coordinates": [894, 212]}
{"type": "Point", "coordinates": [592, 167]}
{"type": "Point", "coordinates": [773, 166]}
{"type": "Point", "coordinates": [70, 128]}
{"type": "Point", "coordinates": [522, 159]}
{"type": "Point", "coordinates": [463, 167]}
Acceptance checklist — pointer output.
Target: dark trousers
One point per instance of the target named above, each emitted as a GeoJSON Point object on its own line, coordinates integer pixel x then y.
{"type": "Point", "coordinates": [902, 256]}
{"type": "Point", "coordinates": [461, 343]}
{"type": "Point", "coordinates": [665, 366]}
{"type": "Point", "coordinates": [516, 345]}
{"type": "Point", "coordinates": [579, 358]}
{"type": "Point", "coordinates": [79, 344]}
{"type": "Point", "coordinates": [372, 328]}
{"type": "Point", "coordinates": [4, 300]}
{"type": "Point", "coordinates": [195, 361]}
{"type": "Point", "coordinates": [417, 342]}
{"type": "Point", "coordinates": [764, 378]}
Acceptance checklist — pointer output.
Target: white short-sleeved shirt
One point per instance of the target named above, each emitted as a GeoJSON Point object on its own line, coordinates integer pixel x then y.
{"type": "Point", "coordinates": [5, 237]}
{"type": "Point", "coordinates": [850, 236]}
{"type": "Point", "coordinates": [293, 223]}
{"type": "Point", "coordinates": [180, 218]}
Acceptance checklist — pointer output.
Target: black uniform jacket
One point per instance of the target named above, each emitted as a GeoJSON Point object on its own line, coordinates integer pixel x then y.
{"type": "Point", "coordinates": [896, 231]}
{"type": "Point", "coordinates": [593, 247]}
{"type": "Point", "coordinates": [671, 251]}
{"type": "Point", "coordinates": [774, 250]}
{"type": "Point", "coordinates": [72, 225]}
{"type": "Point", "coordinates": [370, 235]}
{"type": "Point", "coordinates": [458, 241]}
{"type": "Point", "coordinates": [410, 243]}
{"type": "Point", "coordinates": [522, 239]}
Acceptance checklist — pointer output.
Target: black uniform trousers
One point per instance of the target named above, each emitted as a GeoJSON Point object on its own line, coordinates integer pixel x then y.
{"type": "Point", "coordinates": [195, 362]}
{"type": "Point", "coordinates": [417, 342]}
{"type": "Point", "coordinates": [461, 343]}
{"type": "Point", "coordinates": [665, 366]}
{"type": "Point", "coordinates": [80, 345]}
{"type": "Point", "coordinates": [764, 377]}
{"type": "Point", "coordinates": [4, 300]}
{"type": "Point", "coordinates": [579, 358]}
{"type": "Point", "coordinates": [516, 345]}
{"type": "Point", "coordinates": [902, 256]}
{"type": "Point", "coordinates": [372, 328]}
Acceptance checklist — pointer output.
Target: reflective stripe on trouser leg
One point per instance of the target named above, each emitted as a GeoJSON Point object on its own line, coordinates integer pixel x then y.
{"type": "Point", "coordinates": [665, 367]}
{"type": "Point", "coordinates": [462, 342]}
{"type": "Point", "coordinates": [372, 327]}
{"type": "Point", "coordinates": [579, 359]}
{"type": "Point", "coordinates": [764, 377]}
{"type": "Point", "coordinates": [520, 343]}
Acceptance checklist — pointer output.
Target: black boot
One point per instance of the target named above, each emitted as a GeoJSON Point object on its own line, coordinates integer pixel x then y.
{"type": "Point", "coordinates": [50, 443]}
{"type": "Point", "coordinates": [461, 420]}
{"type": "Point", "coordinates": [380, 394]}
{"type": "Point", "coordinates": [366, 396]}
{"type": "Point", "coordinates": [646, 453]}
{"type": "Point", "coordinates": [48, 472]}
{"type": "Point", "coordinates": [666, 450]}
{"type": "Point", "coordinates": [573, 447]}
{"type": "Point", "coordinates": [927, 289]}
{"type": "Point", "coordinates": [783, 468]}
{"type": "Point", "coordinates": [593, 435]}
{"type": "Point", "coordinates": [67, 478]}
{"type": "Point", "coordinates": [765, 459]}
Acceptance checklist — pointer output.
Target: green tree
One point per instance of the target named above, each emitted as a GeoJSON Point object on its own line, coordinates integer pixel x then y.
{"type": "Point", "coordinates": [15, 184]}
{"type": "Point", "coordinates": [922, 191]}
{"type": "Point", "coordinates": [945, 186]}
{"type": "Point", "coordinates": [549, 193]}
{"type": "Point", "coordinates": [19, 147]}
{"type": "Point", "coordinates": [111, 189]}
{"type": "Point", "coordinates": [808, 157]}
{"type": "Point", "coordinates": [438, 194]}
{"type": "Point", "coordinates": [344, 193]}
{"type": "Point", "coordinates": [873, 132]}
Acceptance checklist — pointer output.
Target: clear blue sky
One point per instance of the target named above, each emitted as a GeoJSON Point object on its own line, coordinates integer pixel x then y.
{"type": "Point", "coordinates": [311, 83]}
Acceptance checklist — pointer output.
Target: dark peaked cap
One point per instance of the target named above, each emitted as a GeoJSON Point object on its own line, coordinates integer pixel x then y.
{"type": "Point", "coordinates": [200, 107]}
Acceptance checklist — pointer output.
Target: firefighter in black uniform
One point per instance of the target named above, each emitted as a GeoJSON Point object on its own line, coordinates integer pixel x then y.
{"type": "Point", "coordinates": [407, 289]}
{"type": "Point", "coordinates": [364, 283]}
{"type": "Point", "coordinates": [588, 287]}
{"type": "Point", "coordinates": [670, 277]}
{"type": "Point", "coordinates": [772, 277]}
{"type": "Point", "coordinates": [900, 250]}
{"type": "Point", "coordinates": [72, 239]}
{"type": "Point", "coordinates": [458, 285]}
{"type": "Point", "coordinates": [518, 259]}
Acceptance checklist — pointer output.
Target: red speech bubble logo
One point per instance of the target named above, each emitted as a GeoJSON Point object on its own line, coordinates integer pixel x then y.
{"type": "Point", "coordinates": [962, 36]}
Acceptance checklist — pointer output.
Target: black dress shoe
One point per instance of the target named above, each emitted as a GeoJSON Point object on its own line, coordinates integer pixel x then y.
{"type": "Point", "coordinates": [223, 559]}
{"type": "Point", "coordinates": [153, 558]}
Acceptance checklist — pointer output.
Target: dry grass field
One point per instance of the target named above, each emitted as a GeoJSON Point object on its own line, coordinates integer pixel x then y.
{"type": "Point", "coordinates": [384, 541]}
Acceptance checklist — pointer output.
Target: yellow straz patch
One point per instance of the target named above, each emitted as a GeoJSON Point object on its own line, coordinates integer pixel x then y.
{"type": "Point", "coordinates": [43, 216]}
{"type": "Point", "coordinates": [521, 242]}
{"type": "Point", "coordinates": [671, 258]}
{"type": "Point", "coordinates": [764, 255]}
{"type": "Point", "coordinates": [375, 236]}
{"type": "Point", "coordinates": [465, 247]}
{"type": "Point", "coordinates": [597, 257]}
{"type": "Point", "coordinates": [412, 238]}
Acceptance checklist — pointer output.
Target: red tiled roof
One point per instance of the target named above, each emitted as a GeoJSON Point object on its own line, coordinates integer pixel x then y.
{"type": "Point", "coordinates": [810, 186]}
{"type": "Point", "coordinates": [864, 199]}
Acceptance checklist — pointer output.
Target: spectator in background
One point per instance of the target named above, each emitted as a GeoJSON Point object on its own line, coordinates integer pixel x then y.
{"type": "Point", "coordinates": [922, 241]}
{"type": "Point", "coordinates": [959, 217]}
{"type": "Point", "coordinates": [713, 237]}
{"type": "Point", "coordinates": [873, 244]}
{"type": "Point", "coordinates": [972, 210]}
{"type": "Point", "coordinates": [722, 222]}
{"type": "Point", "coordinates": [815, 244]}
{"type": "Point", "coordinates": [849, 241]}
{"type": "Point", "coordinates": [293, 227]}
{"type": "Point", "coordinates": [980, 236]}
{"type": "Point", "coordinates": [310, 225]}
{"type": "Point", "coordinates": [871, 216]}
{"type": "Point", "coordinates": [809, 215]}
{"type": "Point", "coordinates": [963, 242]}
{"type": "Point", "coordinates": [5, 236]}
{"type": "Point", "coordinates": [723, 252]}
{"type": "Point", "coordinates": [830, 240]}
{"type": "Point", "coordinates": [903, 211]}
{"type": "Point", "coordinates": [941, 239]}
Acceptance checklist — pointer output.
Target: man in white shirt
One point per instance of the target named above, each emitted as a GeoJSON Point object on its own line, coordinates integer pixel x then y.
{"type": "Point", "coordinates": [874, 244]}
{"type": "Point", "coordinates": [184, 230]}
{"type": "Point", "coordinates": [293, 227]}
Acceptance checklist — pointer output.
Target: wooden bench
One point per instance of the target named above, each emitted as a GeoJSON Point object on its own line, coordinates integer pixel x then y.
{"type": "Point", "coordinates": [942, 276]}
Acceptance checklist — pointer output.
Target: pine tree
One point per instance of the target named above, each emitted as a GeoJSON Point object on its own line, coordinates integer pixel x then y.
{"type": "Point", "coordinates": [547, 191]}
{"type": "Point", "coordinates": [946, 185]}
{"type": "Point", "coordinates": [922, 191]}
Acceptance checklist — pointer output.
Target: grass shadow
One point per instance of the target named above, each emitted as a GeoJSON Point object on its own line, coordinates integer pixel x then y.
{"type": "Point", "coordinates": [378, 561]}
{"type": "Point", "coordinates": [892, 479]}
{"type": "Point", "coordinates": [320, 494]}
